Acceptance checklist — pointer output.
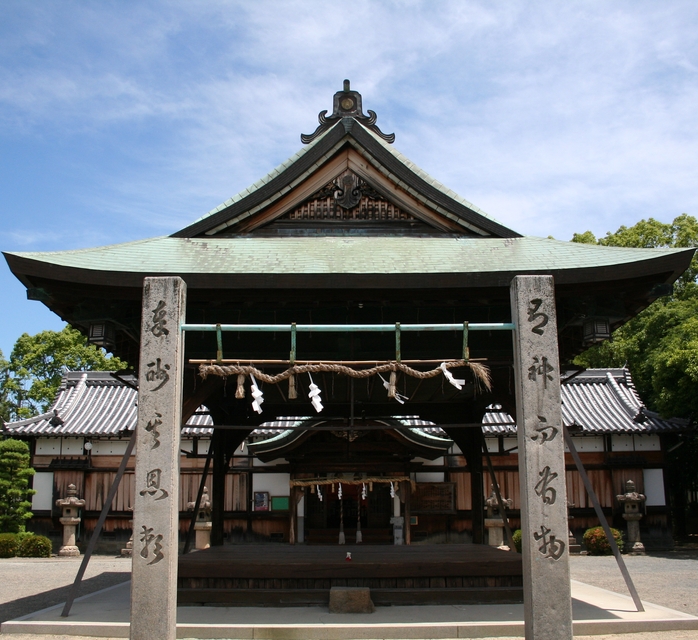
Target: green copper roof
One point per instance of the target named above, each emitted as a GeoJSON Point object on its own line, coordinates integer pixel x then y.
{"type": "Point", "coordinates": [345, 255]}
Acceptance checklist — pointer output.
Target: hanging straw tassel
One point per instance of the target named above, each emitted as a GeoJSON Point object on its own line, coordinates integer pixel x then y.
{"type": "Point", "coordinates": [240, 391]}
{"type": "Point", "coordinates": [392, 391]}
{"type": "Point", "coordinates": [359, 536]}
{"type": "Point", "coordinates": [342, 538]}
{"type": "Point", "coordinates": [292, 394]}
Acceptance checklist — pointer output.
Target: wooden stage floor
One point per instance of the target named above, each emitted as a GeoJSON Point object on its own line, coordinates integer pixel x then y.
{"type": "Point", "coordinates": [299, 574]}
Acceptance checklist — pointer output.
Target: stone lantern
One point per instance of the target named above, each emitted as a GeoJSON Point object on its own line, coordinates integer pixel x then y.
{"type": "Point", "coordinates": [70, 520]}
{"type": "Point", "coordinates": [633, 503]}
{"type": "Point", "coordinates": [203, 524]}
{"type": "Point", "coordinates": [494, 522]}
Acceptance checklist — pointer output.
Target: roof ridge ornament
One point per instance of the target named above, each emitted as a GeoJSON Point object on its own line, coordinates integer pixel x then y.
{"type": "Point", "coordinates": [347, 104]}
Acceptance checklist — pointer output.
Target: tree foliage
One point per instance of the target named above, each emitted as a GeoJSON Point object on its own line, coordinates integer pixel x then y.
{"type": "Point", "coordinates": [15, 473]}
{"type": "Point", "coordinates": [37, 364]}
{"type": "Point", "coordinates": [660, 345]}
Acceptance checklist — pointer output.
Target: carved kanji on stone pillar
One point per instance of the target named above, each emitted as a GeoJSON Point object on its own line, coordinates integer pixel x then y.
{"type": "Point", "coordinates": [544, 528]}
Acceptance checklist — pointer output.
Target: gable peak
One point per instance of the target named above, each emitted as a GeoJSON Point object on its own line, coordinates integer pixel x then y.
{"type": "Point", "coordinates": [347, 104]}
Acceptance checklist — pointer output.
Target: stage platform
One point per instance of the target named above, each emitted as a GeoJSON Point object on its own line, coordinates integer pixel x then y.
{"type": "Point", "coordinates": [300, 575]}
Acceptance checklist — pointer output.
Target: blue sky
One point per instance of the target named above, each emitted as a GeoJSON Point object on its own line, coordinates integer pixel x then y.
{"type": "Point", "coordinates": [121, 121]}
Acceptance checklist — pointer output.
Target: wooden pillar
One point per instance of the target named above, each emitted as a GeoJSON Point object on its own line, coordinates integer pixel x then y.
{"type": "Point", "coordinates": [470, 441]}
{"type": "Point", "coordinates": [218, 488]}
{"type": "Point", "coordinates": [547, 595]}
{"type": "Point", "coordinates": [156, 507]}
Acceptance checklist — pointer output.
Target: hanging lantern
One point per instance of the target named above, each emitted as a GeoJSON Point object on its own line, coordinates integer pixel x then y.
{"type": "Point", "coordinates": [596, 330]}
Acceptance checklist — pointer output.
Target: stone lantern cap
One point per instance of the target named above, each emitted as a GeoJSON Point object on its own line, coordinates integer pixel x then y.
{"type": "Point", "coordinates": [631, 496]}
{"type": "Point", "coordinates": [71, 500]}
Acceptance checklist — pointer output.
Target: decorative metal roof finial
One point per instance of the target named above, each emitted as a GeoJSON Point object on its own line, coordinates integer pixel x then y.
{"type": "Point", "coordinates": [347, 104]}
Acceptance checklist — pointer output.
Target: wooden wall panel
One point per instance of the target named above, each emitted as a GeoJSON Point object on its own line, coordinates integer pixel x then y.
{"type": "Point", "coordinates": [236, 492]}
{"type": "Point", "coordinates": [97, 487]}
{"type": "Point", "coordinates": [62, 478]}
{"type": "Point", "coordinates": [463, 497]}
{"type": "Point", "coordinates": [600, 481]}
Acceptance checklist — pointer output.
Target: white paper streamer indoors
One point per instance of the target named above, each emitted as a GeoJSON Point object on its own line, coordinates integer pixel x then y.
{"type": "Point", "coordinates": [458, 384]}
{"type": "Point", "coordinates": [257, 395]}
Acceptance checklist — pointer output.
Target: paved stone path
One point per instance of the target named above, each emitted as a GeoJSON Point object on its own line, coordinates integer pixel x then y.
{"type": "Point", "coordinates": [671, 580]}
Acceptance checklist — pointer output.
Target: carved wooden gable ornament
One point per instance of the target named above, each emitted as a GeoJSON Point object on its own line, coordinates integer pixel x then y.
{"type": "Point", "coordinates": [347, 180]}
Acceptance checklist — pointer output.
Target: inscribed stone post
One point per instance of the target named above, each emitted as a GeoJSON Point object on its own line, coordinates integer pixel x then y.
{"type": "Point", "coordinates": [156, 509]}
{"type": "Point", "coordinates": [547, 596]}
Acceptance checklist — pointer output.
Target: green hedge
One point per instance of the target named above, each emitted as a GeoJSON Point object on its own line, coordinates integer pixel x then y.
{"type": "Point", "coordinates": [517, 539]}
{"type": "Point", "coordinates": [9, 544]}
{"type": "Point", "coordinates": [35, 547]}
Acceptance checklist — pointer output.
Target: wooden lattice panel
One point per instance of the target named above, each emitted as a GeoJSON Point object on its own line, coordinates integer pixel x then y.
{"type": "Point", "coordinates": [433, 497]}
{"type": "Point", "coordinates": [326, 205]}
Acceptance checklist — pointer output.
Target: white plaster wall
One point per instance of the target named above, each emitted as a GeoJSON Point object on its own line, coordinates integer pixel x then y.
{"type": "Point", "coordinates": [439, 462]}
{"type": "Point", "coordinates": [649, 442]}
{"type": "Point", "coordinates": [109, 447]}
{"type": "Point", "coordinates": [42, 500]}
{"type": "Point", "coordinates": [277, 484]}
{"type": "Point", "coordinates": [434, 476]}
{"type": "Point", "coordinates": [587, 444]}
{"type": "Point", "coordinates": [654, 487]}
{"type": "Point", "coordinates": [622, 443]}
{"type": "Point", "coordinates": [510, 443]}
{"type": "Point", "coordinates": [57, 446]}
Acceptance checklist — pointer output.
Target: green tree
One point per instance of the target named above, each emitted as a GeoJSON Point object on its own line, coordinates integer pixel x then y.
{"type": "Point", "coordinates": [5, 405]}
{"type": "Point", "coordinates": [37, 364]}
{"type": "Point", "coordinates": [660, 345]}
{"type": "Point", "coordinates": [15, 473]}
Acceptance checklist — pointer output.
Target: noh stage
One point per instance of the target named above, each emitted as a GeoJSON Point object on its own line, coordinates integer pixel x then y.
{"type": "Point", "coordinates": [299, 575]}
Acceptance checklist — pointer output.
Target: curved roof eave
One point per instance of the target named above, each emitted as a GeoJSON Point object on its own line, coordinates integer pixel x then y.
{"type": "Point", "coordinates": [244, 262]}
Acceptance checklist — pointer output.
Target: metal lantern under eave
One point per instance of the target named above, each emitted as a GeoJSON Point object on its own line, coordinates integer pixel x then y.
{"type": "Point", "coordinates": [102, 334]}
{"type": "Point", "coordinates": [596, 330]}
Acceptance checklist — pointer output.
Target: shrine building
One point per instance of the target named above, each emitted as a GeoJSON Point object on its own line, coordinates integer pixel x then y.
{"type": "Point", "coordinates": [347, 296]}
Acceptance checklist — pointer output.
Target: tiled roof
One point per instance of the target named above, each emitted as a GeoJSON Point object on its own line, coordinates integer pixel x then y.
{"type": "Point", "coordinates": [600, 401]}
{"type": "Point", "coordinates": [94, 403]}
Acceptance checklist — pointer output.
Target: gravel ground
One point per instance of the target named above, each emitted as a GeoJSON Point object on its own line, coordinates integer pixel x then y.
{"type": "Point", "coordinates": [671, 580]}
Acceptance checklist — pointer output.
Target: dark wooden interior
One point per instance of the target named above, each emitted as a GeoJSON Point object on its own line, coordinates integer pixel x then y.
{"type": "Point", "coordinates": [299, 575]}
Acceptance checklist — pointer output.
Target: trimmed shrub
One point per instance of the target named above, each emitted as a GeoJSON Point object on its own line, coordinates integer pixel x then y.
{"type": "Point", "coordinates": [35, 547]}
{"type": "Point", "coordinates": [597, 544]}
{"type": "Point", "coordinates": [8, 545]}
{"type": "Point", "coordinates": [517, 539]}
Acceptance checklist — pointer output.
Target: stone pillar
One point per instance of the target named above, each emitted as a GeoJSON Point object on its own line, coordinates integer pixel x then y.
{"type": "Point", "coordinates": [547, 595]}
{"type": "Point", "coordinates": [70, 520]}
{"type": "Point", "coordinates": [156, 509]}
{"type": "Point", "coordinates": [203, 524]}
{"type": "Point", "coordinates": [494, 522]}
{"type": "Point", "coordinates": [632, 503]}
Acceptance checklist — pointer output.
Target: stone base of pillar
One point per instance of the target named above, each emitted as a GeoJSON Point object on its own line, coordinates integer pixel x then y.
{"type": "Point", "coordinates": [203, 535]}
{"type": "Point", "coordinates": [69, 551]}
{"type": "Point", "coordinates": [495, 531]}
